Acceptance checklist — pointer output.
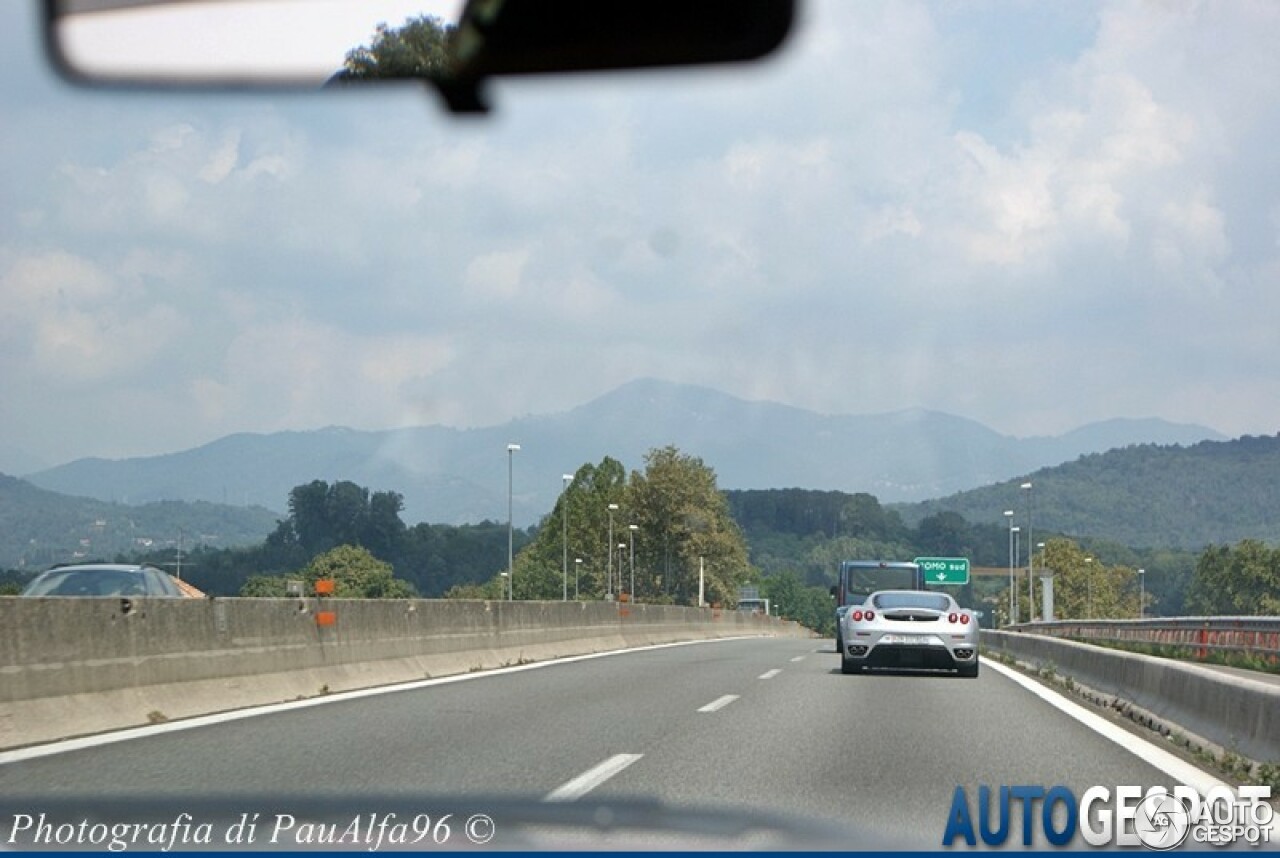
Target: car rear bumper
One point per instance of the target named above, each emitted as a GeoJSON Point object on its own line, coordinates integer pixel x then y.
{"type": "Point", "coordinates": [910, 657]}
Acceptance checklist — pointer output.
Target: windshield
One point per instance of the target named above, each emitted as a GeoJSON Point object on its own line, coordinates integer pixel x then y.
{"type": "Point", "coordinates": [516, 457]}
{"type": "Point", "coordinates": [90, 582]}
{"type": "Point", "coordinates": [889, 601]}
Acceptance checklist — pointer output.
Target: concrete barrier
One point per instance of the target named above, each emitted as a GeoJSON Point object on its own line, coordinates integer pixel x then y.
{"type": "Point", "coordinates": [70, 667]}
{"type": "Point", "coordinates": [1237, 713]}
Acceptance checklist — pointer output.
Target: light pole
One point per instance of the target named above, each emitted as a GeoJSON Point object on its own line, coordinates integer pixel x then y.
{"type": "Point", "coordinates": [511, 556]}
{"type": "Point", "coordinates": [564, 531]}
{"type": "Point", "coordinates": [1017, 557]}
{"type": "Point", "coordinates": [577, 574]}
{"type": "Point", "coordinates": [506, 579]}
{"type": "Point", "coordinates": [1008, 514]}
{"type": "Point", "coordinates": [701, 581]}
{"type": "Point", "coordinates": [633, 528]}
{"type": "Point", "coordinates": [1031, 551]}
{"type": "Point", "coordinates": [622, 546]}
{"type": "Point", "coordinates": [1088, 587]}
{"type": "Point", "coordinates": [609, 573]}
{"type": "Point", "coordinates": [1039, 545]}
{"type": "Point", "coordinates": [1142, 593]}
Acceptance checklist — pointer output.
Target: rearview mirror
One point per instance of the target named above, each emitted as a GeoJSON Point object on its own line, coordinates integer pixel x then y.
{"type": "Point", "coordinates": [310, 43]}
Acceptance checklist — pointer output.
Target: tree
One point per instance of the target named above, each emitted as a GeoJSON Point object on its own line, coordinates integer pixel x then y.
{"type": "Point", "coordinates": [1239, 581]}
{"type": "Point", "coordinates": [681, 519]}
{"type": "Point", "coordinates": [324, 515]}
{"type": "Point", "coordinates": [417, 49]}
{"type": "Point", "coordinates": [539, 567]}
{"type": "Point", "coordinates": [356, 574]}
{"type": "Point", "coordinates": [1083, 586]}
{"type": "Point", "coordinates": [684, 525]}
{"type": "Point", "coordinates": [944, 534]}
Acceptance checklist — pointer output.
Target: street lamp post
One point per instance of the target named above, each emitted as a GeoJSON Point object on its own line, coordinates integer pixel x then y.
{"type": "Point", "coordinates": [564, 532]}
{"type": "Point", "coordinates": [1142, 593]}
{"type": "Point", "coordinates": [622, 546]}
{"type": "Point", "coordinates": [1039, 545]}
{"type": "Point", "coordinates": [506, 580]}
{"type": "Point", "coordinates": [1008, 514]}
{"type": "Point", "coordinates": [701, 581]}
{"type": "Point", "coordinates": [632, 528]}
{"type": "Point", "coordinates": [577, 575]}
{"type": "Point", "coordinates": [609, 573]}
{"type": "Point", "coordinates": [511, 556]}
{"type": "Point", "coordinates": [1017, 559]}
{"type": "Point", "coordinates": [1088, 587]}
{"type": "Point", "coordinates": [1031, 550]}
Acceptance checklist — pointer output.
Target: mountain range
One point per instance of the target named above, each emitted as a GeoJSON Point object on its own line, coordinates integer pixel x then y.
{"type": "Point", "coordinates": [39, 528]}
{"type": "Point", "coordinates": [455, 476]}
{"type": "Point", "coordinates": [1141, 496]}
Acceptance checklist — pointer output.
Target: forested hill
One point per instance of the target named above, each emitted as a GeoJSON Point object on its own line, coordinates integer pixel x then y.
{"type": "Point", "coordinates": [1143, 496]}
{"type": "Point", "coordinates": [39, 528]}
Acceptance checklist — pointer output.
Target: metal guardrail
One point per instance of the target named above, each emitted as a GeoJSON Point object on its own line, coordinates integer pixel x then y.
{"type": "Point", "coordinates": [1200, 636]}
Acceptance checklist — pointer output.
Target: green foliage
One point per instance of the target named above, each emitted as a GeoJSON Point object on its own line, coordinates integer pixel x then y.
{"type": "Point", "coordinates": [685, 523]}
{"type": "Point", "coordinates": [1145, 495]}
{"type": "Point", "coordinates": [791, 599]}
{"type": "Point", "coordinates": [1239, 581]}
{"type": "Point", "coordinates": [417, 49]}
{"type": "Point", "coordinates": [322, 516]}
{"type": "Point", "coordinates": [1084, 587]}
{"type": "Point", "coordinates": [680, 517]}
{"type": "Point", "coordinates": [356, 574]}
{"type": "Point", "coordinates": [39, 528]}
{"type": "Point", "coordinates": [582, 510]}
{"type": "Point", "coordinates": [264, 586]}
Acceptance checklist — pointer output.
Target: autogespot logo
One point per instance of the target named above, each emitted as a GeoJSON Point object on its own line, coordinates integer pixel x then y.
{"type": "Point", "coordinates": [1162, 821]}
{"type": "Point", "coordinates": [1158, 818]}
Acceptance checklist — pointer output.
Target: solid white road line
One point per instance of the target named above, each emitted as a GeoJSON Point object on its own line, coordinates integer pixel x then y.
{"type": "Point", "coordinates": [769, 674]}
{"type": "Point", "coordinates": [64, 746]}
{"type": "Point", "coordinates": [719, 703]}
{"type": "Point", "coordinates": [591, 778]}
{"type": "Point", "coordinates": [1173, 766]}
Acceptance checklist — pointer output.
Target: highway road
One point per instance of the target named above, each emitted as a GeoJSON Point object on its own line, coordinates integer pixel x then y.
{"type": "Point", "coordinates": [754, 723]}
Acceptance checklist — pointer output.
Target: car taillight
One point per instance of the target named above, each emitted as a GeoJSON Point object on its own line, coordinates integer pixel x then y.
{"type": "Point", "coordinates": [964, 619]}
{"type": "Point", "coordinates": [856, 616]}
{"type": "Point", "coordinates": [953, 617]}
{"type": "Point", "coordinates": [871, 615]}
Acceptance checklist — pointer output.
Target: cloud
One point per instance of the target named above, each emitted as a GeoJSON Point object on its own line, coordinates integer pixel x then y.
{"type": "Point", "coordinates": [70, 322]}
{"type": "Point", "coordinates": [919, 204]}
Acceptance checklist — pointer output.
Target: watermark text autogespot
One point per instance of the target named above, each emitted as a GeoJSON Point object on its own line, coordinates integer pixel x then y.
{"type": "Point", "coordinates": [1157, 818]}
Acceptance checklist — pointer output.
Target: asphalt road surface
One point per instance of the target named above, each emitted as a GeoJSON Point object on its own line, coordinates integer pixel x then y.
{"type": "Point", "coordinates": [751, 725]}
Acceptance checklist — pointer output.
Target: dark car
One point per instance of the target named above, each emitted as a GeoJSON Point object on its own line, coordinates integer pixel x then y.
{"type": "Point", "coordinates": [100, 579]}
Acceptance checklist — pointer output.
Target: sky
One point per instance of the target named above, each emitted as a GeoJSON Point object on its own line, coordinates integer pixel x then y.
{"type": "Point", "coordinates": [1032, 214]}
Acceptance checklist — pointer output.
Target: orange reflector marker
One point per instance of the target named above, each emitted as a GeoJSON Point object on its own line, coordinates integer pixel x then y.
{"type": "Point", "coordinates": [324, 587]}
{"type": "Point", "coordinates": [326, 618]}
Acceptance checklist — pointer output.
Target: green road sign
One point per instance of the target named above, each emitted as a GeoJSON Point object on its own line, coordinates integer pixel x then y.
{"type": "Point", "coordinates": [944, 570]}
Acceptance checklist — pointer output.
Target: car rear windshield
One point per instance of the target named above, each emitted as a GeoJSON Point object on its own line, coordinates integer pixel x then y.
{"type": "Point", "coordinates": [89, 583]}
{"type": "Point", "coordinates": [931, 601]}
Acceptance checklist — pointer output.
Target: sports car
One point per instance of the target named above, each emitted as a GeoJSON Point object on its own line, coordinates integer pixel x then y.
{"type": "Point", "coordinates": [909, 630]}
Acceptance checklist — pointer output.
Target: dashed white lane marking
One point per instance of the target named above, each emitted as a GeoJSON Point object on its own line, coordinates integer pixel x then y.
{"type": "Point", "coordinates": [719, 703]}
{"type": "Point", "coordinates": [591, 778]}
{"type": "Point", "coordinates": [769, 674]}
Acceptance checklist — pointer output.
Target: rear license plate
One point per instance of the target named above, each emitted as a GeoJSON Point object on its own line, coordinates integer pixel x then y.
{"type": "Point", "coordinates": [918, 640]}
